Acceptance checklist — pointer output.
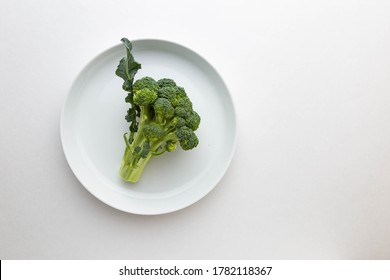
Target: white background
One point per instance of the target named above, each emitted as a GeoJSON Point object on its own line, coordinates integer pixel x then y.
{"type": "Point", "coordinates": [311, 175]}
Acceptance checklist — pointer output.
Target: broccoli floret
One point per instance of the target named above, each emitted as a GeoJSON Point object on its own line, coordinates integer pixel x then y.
{"type": "Point", "coordinates": [181, 92]}
{"type": "Point", "coordinates": [163, 110]}
{"type": "Point", "coordinates": [145, 82]}
{"type": "Point", "coordinates": [166, 83]}
{"type": "Point", "coordinates": [169, 93]}
{"type": "Point", "coordinates": [144, 97]}
{"type": "Point", "coordinates": [171, 146]}
{"type": "Point", "coordinates": [161, 117]}
{"type": "Point", "coordinates": [185, 102]}
{"type": "Point", "coordinates": [153, 131]}
{"type": "Point", "coordinates": [187, 138]}
{"type": "Point", "coordinates": [174, 94]}
{"type": "Point", "coordinates": [178, 122]}
{"type": "Point", "coordinates": [193, 120]}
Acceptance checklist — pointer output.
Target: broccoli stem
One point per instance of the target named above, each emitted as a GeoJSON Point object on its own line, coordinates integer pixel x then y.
{"type": "Point", "coordinates": [139, 136]}
{"type": "Point", "coordinates": [166, 138]}
{"type": "Point", "coordinates": [132, 166]}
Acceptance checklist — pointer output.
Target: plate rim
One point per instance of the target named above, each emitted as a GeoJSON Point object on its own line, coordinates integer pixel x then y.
{"type": "Point", "coordinates": [233, 113]}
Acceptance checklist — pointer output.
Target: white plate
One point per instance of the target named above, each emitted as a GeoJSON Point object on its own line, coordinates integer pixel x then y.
{"type": "Point", "coordinates": [93, 124]}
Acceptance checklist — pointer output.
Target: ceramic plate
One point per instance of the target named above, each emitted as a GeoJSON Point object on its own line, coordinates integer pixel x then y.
{"type": "Point", "coordinates": [93, 124]}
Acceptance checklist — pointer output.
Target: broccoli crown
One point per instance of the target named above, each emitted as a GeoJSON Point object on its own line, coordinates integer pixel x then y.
{"type": "Point", "coordinates": [161, 118]}
{"type": "Point", "coordinates": [167, 116]}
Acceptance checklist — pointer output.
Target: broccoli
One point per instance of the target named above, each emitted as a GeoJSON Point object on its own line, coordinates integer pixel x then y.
{"type": "Point", "coordinates": [161, 118]}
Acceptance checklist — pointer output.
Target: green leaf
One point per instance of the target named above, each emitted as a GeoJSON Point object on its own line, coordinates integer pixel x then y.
{"type": "Point", "coordinates": [133, 68]}
{"type": "Point", "coordinates": [131, 115]}
{"type": "Point", "coordinates": [127, 67]}
{"type": "Point", "coordinates": [129, 98]}
{"type": "Point", "coordinates": [142, 152]}
{"type": "Point", "coordinates": [145, 150]}
{"type": "Point", "coordinates": [127, 44]}
{"type": "Point", "coordinates": [133, 127]}
{"type": "Point", "coordinates": [137, 150]}
{"type": "Point", "coordinates": [121, 69]}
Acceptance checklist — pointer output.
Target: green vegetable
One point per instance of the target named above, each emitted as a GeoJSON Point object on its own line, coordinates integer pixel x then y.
{"type": "Point", "coordinates": [161, 117]}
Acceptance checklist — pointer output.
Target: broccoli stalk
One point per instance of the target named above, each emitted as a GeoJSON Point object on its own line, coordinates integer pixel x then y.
{"type": "Point", "coordinates": [132, 164]}
{"type": "Point", "coordinates": [161, 117]}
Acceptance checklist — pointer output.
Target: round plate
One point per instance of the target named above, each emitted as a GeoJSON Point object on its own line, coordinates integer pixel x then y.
{"type": "Point", "coordinates": [93, 124]}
